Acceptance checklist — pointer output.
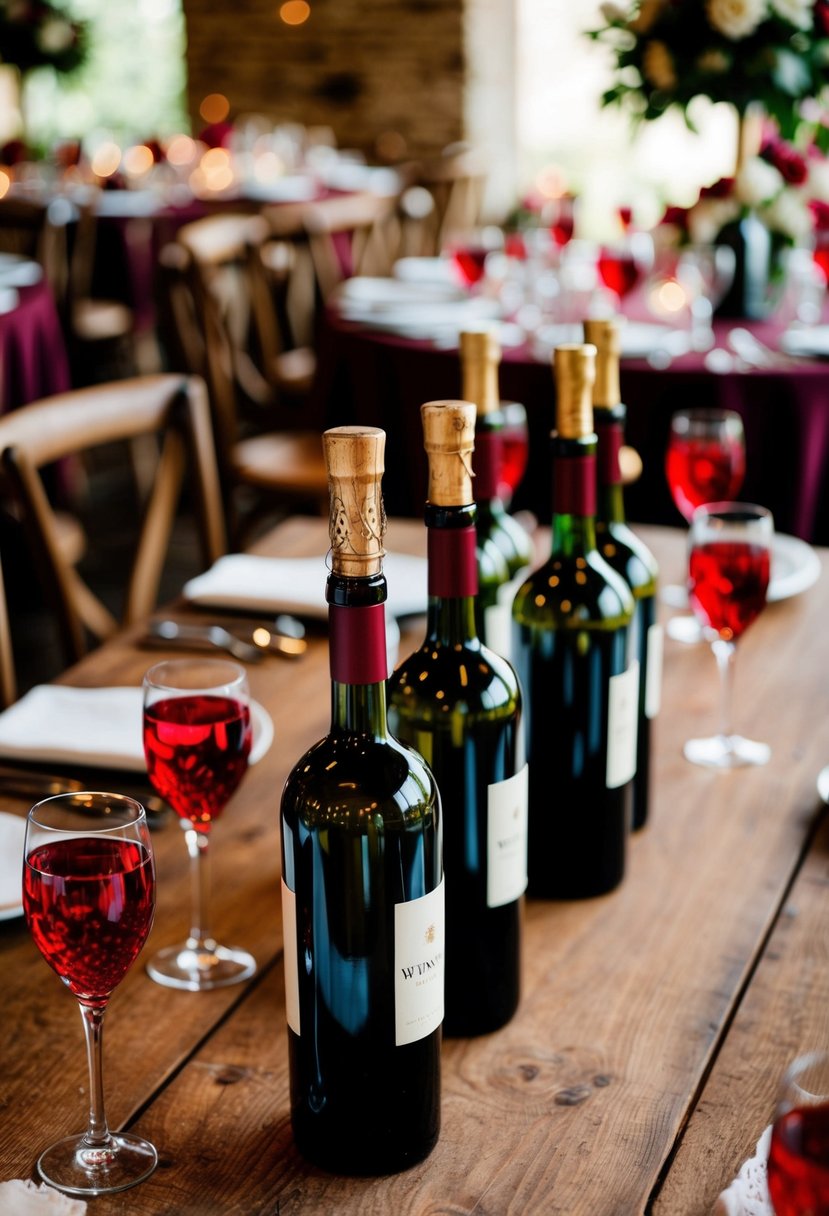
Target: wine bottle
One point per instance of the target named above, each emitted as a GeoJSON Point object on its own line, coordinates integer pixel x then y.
{"type": "Point", "coordinates": [459, 704]}
{"type": "Point", "coordinates": [362, 867]}
{"type": "Point", "coordinates": [571, 651]}
{"type": "Point", "coordinates": [624, 550]}
{"type": "Point", "coordinates": [480, 356]}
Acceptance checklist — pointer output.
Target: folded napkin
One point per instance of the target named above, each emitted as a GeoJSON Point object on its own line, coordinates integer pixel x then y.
{"type": "Point", "coordinates": [12, 834]}
{"type": "Point", "coordinates": [22, 1197]}
{"type": "Point", "coordinates": [276, 584]}
{"type": "Point", "coordinates": [98, 727]}
{"type": "Point", "coordinates": [748, 1194]}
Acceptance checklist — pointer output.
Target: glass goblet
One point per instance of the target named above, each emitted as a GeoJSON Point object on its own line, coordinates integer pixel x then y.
{"type": "Point", "coordinates": [622, 264]}
{"type": "Point", "coordinates": [704, 462]}
{"type": "Point", "coordinates": [197, 739]}
{"type": "Point", "coordinates": [728, 577]}
{"type": "Point", "coordinates": [706, 272]}
{"type": "Point", "coordinates": [469, 251]}
{"type": "Point", "coordinates": [798, 1165]}
{"type": "Point", "coordinates": [89, 898]}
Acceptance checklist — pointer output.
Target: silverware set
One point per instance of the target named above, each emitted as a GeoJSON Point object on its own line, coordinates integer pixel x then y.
{"type": "Point", "coordinates": [249, 642]}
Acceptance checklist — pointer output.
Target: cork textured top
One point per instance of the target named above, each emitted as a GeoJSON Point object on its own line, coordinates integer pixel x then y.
{"type": "Point", "coordinates": [606, 336]}
{"type": "Point", "coordinates": [574, 365]}
{"type": "Point", "coordinates": [480, 356]}
{"type": "Point", "coordinates": [354, 456]}
{"type": "Point", "coordinates": [449, 440]}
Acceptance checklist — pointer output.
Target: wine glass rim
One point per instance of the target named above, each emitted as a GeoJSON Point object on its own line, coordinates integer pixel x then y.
{"type": "Point", "coordinates": [802, 1063]}
{"type": "Point", "coordinates": [706, 413]}
{"type": "Point", "coordinates": [82, 801]}
{"type": "Point", "coordinates": [235, 675]}
{"type": "Point", "coordinates": [732, 512]}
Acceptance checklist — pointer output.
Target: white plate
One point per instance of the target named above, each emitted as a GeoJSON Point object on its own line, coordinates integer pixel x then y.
{"type": "Point", "coordinates": [20, 274]}
{"type": "Point", "coordinates": [639, 339]}
{"type": "Point", "coordinates": [12, 834]}
{"type": "Point", "coordinates": [794, 567]}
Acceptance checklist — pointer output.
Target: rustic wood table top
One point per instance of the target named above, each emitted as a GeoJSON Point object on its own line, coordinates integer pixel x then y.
{"type": "Point", "coordinates": [642, 1065]}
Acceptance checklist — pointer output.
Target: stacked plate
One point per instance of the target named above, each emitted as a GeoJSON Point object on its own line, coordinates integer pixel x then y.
{"type": "Point", "coordinates": [426, 311]}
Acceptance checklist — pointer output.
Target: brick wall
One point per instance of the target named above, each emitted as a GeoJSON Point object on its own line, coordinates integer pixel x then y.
{"type": "Point", "coordinates": [362, 67]}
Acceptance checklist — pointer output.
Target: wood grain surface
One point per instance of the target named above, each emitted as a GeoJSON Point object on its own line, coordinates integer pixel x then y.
{"type": "Point", "coordinates": [654, 1021]}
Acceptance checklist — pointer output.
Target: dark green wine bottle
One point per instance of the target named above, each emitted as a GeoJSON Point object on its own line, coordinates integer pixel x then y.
{"type": "Point", "coordinates": [362, 867]}
{"type": "Point", "coordinates": [571, 644]}
{"type": "Point", "coordinates": [480, 356]}
{"type": "Point", "coordinates": [459, 704]}
{"type": "Point", "coordinates": [624, 550]}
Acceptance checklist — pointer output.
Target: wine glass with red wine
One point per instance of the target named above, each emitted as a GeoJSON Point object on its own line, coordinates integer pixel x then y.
{"type": "Point", "coordinates": [623, 264]}
{"type": "Point", "coordinates": [89, 898]}
{"type": "Point", "coordinates": [705, 461]}
{"type": "Point", "coordinates": [197, 739]}
{"type": "Point", "coordinates": [469, 250]}
{"type": "Point", "coordinates": [798, 1165]}
{"type": "Point", "coordinates": [728, 576]}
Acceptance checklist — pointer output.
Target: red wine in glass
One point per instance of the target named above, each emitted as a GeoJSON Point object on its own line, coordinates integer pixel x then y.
{"type": "Point", "coordinates": [705, 459]}
{"type": "Point", "coordinates": [727, 583]}
{"type": "Point", "coordinates": [470, 263]}
{"type": "Point", "coordinates": [514, 448]}
{"type": "Point", "coordinates": [798, 1166]}
{"type": "Point", "coordinates": [618, 270]}
{"type": "Point", "coordinates": [197, 750]}
{"type": "Point", "coordinates": [89, 905]}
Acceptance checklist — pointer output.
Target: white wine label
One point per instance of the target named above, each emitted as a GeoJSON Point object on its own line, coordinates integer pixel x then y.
{"type": "Point", "coordinates": [622, 722]}
{"type": "Point", "coordinates": [289, 956]}
{"type": "Point", "coordinates": [506, 876]}
{"type": "Point", "coordinates": [418, 966]}
{"type": "Point", "coordinates": [653, 680]}
{"type": "Point", "coordinates": [498, 616]}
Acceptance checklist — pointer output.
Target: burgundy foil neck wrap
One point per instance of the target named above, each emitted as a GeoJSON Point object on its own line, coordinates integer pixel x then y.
{"type": "Point", "coordinates": [487, 461]}
{"type": "Point", "coordinates": [357, 644]}
{"type": "Point", "coordinates": [609, 446]}
{"type": "Point", "coordinates": [453, 562]}
{"type": "Point", "coordinates": [574, 485]}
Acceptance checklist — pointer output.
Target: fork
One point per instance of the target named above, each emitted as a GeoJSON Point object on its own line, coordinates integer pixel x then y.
{"type": "Point", "coordinates": [210, 635]}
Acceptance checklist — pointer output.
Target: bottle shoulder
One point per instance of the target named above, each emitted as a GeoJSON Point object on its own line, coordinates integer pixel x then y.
{"type": "Point", "coordinates": [575, 591]}
{"type": "Point", "coordinates": [466, 677]}
{"type": "Point", "coordinates": [628, 554]}
{"type": "Point", "coordinates": [343, 776]}
{"type": "Point", "coordinates": [509, 537]}
{"type": "Point", "coordinates": [492, 565]}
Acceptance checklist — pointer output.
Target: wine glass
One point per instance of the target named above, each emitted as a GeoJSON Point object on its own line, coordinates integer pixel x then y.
{"type": "Point", "coordinates": [728, 577]}
{"type": "Point", "coordinates": [622, 264]}
{"type": "Point", "coordinates": [706, 272]}
{"type": "Point", "coordinates": [798, 1165]}
{"type": "Point", "coordinates": [515, 448]}
{"type": "Point", "coordinates": [704, 462]}
{"type": "Point", "coordinates": [469, 250]}
{"type": "Point", "coordinates": [89, 898]}
{"type": "Point", "coordinates": [197, 739]}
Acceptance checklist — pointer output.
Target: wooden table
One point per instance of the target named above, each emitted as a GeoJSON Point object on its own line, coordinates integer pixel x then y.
{"type": "Point", "coordinates": [642, 1065]}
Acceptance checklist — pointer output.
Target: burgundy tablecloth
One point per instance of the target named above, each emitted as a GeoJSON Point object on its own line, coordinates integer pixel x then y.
{"type": "Point", "coordinates": [33, 359]}
{"type": "Point", "coordinates": [381, 380]}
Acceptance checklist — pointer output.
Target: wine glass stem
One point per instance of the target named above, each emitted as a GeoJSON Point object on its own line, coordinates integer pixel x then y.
{"type": "Point", "coordinates": [198, 847]}
{"type": "Point", "coordinates": [97, 1133]}
{"type": "Point", "coordinates": [724, 653]}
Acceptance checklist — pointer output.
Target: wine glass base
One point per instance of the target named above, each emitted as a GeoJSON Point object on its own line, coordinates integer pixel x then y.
{"type": "Point", "coordinates": [200, 967]}
{"type": "Point", "coordinates": [76, 1167]}
{"type": "Point", "coordinates": [726, 752]}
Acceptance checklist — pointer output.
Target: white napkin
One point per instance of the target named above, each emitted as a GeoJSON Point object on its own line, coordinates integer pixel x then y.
{"type": "Point", "coordinates": [12, 835]}
{"type": "Point", "coordinates": [748, 1194]}
{"type": "Point", "coordinates": [99, 727]}
{"type": "Point", "coordinates": [276, 584]}
{"type": "Point", "coordinates": [22, 1197]}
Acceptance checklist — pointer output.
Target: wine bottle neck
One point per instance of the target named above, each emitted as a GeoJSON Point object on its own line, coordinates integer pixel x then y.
{"type": "Point", "coordinates": [610, 506]}
{"type": "Point", "coordinates": [357, 654]}
{"type": "Point", "coordinates": [574, 495]}
{"type": "Point", "coordinates": [453, 573]}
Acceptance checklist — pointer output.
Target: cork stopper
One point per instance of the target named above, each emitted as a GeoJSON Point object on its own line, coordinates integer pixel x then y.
{"type": "Point", "coordinates": [606, 336]}
{"type": "Point", "coordinates": [449, 440]}
{"type": "Point", "coordinates": [357, 523]}
{"type": "Point", "coordinates": [480, 356]}
{"type": "Point", "coordinates": [575, 372]}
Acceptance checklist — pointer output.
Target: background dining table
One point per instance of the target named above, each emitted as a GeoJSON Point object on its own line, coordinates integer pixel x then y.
{"type": "Point", "coordinates": [33, 357]}
{"type": "Point", "coordinates": [381, 378]}
{"type": "Point", "coordinates": [642, 1065]}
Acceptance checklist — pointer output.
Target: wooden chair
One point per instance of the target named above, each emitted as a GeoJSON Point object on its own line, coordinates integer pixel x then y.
{"type": "Point", "coordinates": [8, 679]}
{"type": "Point", "coordinates": [263, 441]}
{"type": "Point", "coordinates": [456, 181]}
{"type": "Point", "coordinates": [171, 408]}
{"type": "Point", "coordinates": [31, 229]}
{"type": "Point", "coordinates": [347, 236]}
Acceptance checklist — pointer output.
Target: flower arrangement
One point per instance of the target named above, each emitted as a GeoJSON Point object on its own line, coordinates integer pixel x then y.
{"type": "Point", "coordinates": [787, 189]}
{"type": "Point", "coordinates": [37, 33]}
{"type": "Point", "coordinates": [668, 52]}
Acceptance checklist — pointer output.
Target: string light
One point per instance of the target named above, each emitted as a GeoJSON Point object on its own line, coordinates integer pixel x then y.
{"type": "Point", "coordinates": [295, 12]}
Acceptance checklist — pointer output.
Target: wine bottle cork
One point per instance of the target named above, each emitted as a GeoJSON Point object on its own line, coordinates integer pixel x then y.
{"type": "Point", "coordinates": [480, 356]}
{"type": "Point", "coordinates": [606, 335]}
{"type": "Point", "coordinates": [357, 522]}
{"type": "Point", "coordinates": [574, 365]}
{"type": "Point", "coordinates": [449, 440]}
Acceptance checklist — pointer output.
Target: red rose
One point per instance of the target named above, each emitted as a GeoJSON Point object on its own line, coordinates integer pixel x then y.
{"type": "Point", "coordinates": [723, 188]}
